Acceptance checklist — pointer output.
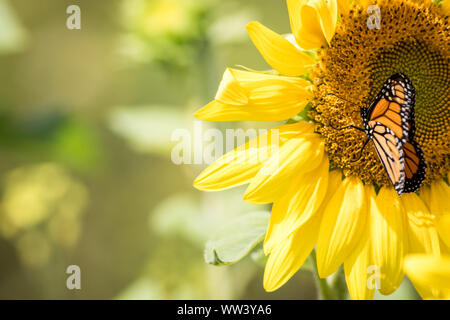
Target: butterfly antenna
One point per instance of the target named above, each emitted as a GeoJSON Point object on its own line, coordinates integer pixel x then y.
{"type": "Point", "coordinates": [332, 94]}
{"type": "Point", "coordinates": [361, 152]}
{"type": "Point", "coordinates": [346, 127]}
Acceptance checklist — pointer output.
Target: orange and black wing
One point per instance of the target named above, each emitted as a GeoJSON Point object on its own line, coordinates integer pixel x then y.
{"type": "Point", "coordinates": [415, 166]}
{"type": "Point", "coordinates": [404, 164]}
{"type": "Point", "coordinates": [391, 154]}
{"type": "Point", "coordinates": [394, 106]}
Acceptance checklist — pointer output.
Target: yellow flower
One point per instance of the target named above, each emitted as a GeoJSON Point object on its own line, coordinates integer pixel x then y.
{"type": "Point", "coordinates": [347, 210]}
{"type": "Point", "coordinates": [431, 273]}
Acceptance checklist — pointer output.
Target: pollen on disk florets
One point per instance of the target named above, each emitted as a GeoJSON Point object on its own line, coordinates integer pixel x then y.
{"type": "Point", "coordinates": [413, 39]}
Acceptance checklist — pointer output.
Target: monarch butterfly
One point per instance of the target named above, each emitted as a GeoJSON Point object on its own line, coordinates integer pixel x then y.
{"type": "Point", "coordinates": [389, 124]}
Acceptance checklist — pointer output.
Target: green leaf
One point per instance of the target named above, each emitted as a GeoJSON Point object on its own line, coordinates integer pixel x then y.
{"type": "Point", "coordinates": [258, 256]}
{"type": "Point", "coordinates": [237, 239]}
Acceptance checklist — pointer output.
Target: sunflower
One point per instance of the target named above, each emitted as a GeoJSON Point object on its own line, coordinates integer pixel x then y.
{"type": "Point", "coordinates": [346, 210]}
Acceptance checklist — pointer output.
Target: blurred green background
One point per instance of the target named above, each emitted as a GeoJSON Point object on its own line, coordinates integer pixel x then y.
{"type": "Point", "coordinates": [86, 118]}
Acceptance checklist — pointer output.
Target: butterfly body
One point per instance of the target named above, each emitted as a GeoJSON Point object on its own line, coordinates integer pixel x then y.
{"type": "Point", "coordinates": [389, 124]}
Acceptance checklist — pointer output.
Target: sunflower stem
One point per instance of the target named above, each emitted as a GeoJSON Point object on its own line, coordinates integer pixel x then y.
{"type": "Point", "coordinates": [331, 288]}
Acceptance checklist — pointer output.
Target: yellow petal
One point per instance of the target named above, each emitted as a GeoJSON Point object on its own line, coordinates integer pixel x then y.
{"type": "Point", "coordinates": [230, 90]}
{"type": "Point", "coordinates": [360, 274]}
{"type": "Point", "coordinates": [388, 238]}
{"type": "Point", "coordinates": [343, 7]}
{"type": "Point", "coordinates": [244, 95]}
{"type": "Point", "coordinates": [279, 53]}
{"type": "Point", "coordinates": [445, 250]}
{"type": "Point", "coordinates": [239, 166]}
{"type": "Point", "coordinates": [422, 233]}
{"type": "Point", "coordinates": [285, 260]}
{"type": "Point", "coordinates": [334, 182]}
{"type": "Point", "coordinates": [439, 198]}
{"type": "Point", "coordinates": [364, 3]}
{"type": "Point", "coordinates": [342, 226]}
{"type": "Point", "coordinates": [299, 203]}
{"type": "Point", "coordinates": [299, 155]}
{"type": "Point", "coordinates": [430, 272]}
{"type": "Point", "coordinates": [425, 195]}
{"type": "Point", "coordinates": [446, 6]}
{"type": "Point", "coordinates": [313, 22]}
{"type": "Point", "coordinates": [444, 229]}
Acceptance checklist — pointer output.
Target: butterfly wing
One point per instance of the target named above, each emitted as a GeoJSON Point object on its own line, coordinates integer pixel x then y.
{"type": "Point", "coordinates": [389, 149]}
{"type": "Point", "coordinates": [415, 166]}
{"type": "Point", "coordinates": [394, 106]}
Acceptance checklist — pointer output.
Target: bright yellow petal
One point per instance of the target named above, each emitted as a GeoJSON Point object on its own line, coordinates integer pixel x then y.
{"type": "Point", "coordinates": [430, 272]}
{"type": "Point", "coordinates": [388, 238]}
{"type": "Point", "coordinates": [422, 233]}
{"type": "Point", "coordinates": [439, 198]}
{"type": "Point", "coordinates": [446, 6]}
{"type": "Point", "coordinates": [282, 55]}
{"type": "Point", "coordinates": [445, 250]}
{"type": "Point", "coordinates": [297, 205]}
{"type": "Point", "coordinates": [254, 96]}
{"type": "Point", "coordinates": [313, 22]}
{"type": "Point", "coordinates": [421, 224]}
{"type": "Point", "coordinates": [334, 182]}
{"type": "Point", "coordinates": [365, 3]}
{"type": "Point", "coordinates": [342, 226]}
{"type": "Point", "coordinates": [425, 195]}
{"type": "Point", "coordinates": [239, 166]}
{"type": "Point", "coordinates": [231, 91]}
{"type": "Point", "coordinates": [343, 7]}
{"type": "Point", "coordinates": [285, 260]}
{"type": "Point", "coordinates": [360, 275]}
{"type": "Point", "coordinates": [299, 155]}
{"type": "Point", "coordinates": [444, 229]}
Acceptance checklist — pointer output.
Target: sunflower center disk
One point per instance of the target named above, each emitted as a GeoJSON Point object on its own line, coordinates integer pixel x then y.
{"type": "Point", "coordinates": [414, 40]}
